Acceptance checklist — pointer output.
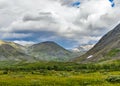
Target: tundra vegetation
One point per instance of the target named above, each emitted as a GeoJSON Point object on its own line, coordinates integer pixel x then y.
{"type": "Point", "coordinates": [60, 74]}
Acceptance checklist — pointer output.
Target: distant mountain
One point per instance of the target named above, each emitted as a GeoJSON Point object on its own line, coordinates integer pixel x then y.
{"type": "Point", "coordinates": [82, 48]}
{"type": "Point", "coordinates": [12, 51]}
{"type": "Point", "coordinates": [50, 51]}
{"type": "Point", "coordinates": [107, 48]}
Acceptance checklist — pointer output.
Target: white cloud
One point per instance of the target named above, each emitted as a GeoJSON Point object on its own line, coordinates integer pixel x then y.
{"type": "Point", "coordinates": [84, 24]}
{"type": "Point", "coordinates": [14, 35]}
{"type": "Point", "coordinates": [24, 42]}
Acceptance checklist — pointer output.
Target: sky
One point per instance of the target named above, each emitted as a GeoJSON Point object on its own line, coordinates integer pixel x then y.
{"type": "Point", "coordinates": [69, 23]}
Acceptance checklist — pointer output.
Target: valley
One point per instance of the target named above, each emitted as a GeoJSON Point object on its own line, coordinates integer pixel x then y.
{"type": "Point", "coordinates": [49, 64]}
{"type": "Point", "coordinates": [107, 48]}
{"type": "Point", "coordinates": [59, 42]}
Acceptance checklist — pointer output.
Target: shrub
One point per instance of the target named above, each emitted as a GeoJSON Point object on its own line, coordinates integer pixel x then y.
{"type": "Point", "coordinates": [114, 79]}
{"type": "Point", "coordinates": [5, 72]}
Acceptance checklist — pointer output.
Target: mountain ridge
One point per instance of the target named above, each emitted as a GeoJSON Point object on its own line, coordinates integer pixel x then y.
{"type": "Point", "coordinates": [12, 51]}
{"type": "Point", "coordinates": [107, 48]}
{"type": "Point", "coordinates": [50, 51]}
{"type": "Point", "coordinates": [45, 51]}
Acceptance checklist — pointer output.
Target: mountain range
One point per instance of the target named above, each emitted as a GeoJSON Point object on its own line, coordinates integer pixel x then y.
{"type": "Point", "coordinates": [108, 48]}
{"type": "Point", "coordinates": [45, 51]}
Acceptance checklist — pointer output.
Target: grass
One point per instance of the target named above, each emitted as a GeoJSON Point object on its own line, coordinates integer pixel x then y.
{"type": "Point", "coordinates": [60, 74]}
{"type": "Point", "coordinates": [58, 78]}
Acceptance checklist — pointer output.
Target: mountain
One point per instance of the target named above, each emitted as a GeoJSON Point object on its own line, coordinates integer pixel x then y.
{"type": "Point", "coordinates": [83, 48]}
{"type": "Point", "coordinates": [80, 50]}
{"type": "Point", "coordinates": [45, 51]}
{"type": "Point", "coordinates": [12, 51]}
{"type": "Point", "coordinates": [108, 48]}
{"type": "Point", "coordinates": [50, 51]}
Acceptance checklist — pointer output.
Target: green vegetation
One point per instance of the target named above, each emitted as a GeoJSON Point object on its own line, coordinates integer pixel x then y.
{"type": "Point", "coordinates": [114, 79]}
{"type": "Point", "coordinates": [60, 74]}
{"type": "Point", "coordinates": [56, 79]}
{"type": "Point", "coordinates": [50, 51]}
{"type": "Point", "coordinates": [113, 52]}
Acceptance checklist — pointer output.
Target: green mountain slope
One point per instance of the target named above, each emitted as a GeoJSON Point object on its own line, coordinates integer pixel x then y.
{"type": "Point", "coordinates": [106, 49]}
{"type": "Point", "coordinates": [50, 51]}
{"type": "Point", "coordinates": [12, 51]}
{"type": "Point", "coordinates": [45, 51]}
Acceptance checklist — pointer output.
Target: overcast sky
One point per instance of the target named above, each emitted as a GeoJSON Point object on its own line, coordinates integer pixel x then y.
{"type": "Point", "coordinates": [68, 22]}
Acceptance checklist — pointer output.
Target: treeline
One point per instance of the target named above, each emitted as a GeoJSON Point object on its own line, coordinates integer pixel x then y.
{"type": "Point", "coordinates": [62, 66]}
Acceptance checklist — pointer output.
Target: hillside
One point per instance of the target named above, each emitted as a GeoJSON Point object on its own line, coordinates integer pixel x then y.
{"type": "Point", "coordinates": [50, 51]}
{"type": "Point", "coordinates": [45, 51]}
{"type": "Point", "coordinates": [106, 49]}
{"type": "Point", "coordinates": [10, 51]}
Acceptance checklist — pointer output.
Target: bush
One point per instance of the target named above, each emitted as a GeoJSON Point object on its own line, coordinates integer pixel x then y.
{"type": "Point", "coordinates": [114, 79]}
{"type": "Point", "coordinates": [5, 72]}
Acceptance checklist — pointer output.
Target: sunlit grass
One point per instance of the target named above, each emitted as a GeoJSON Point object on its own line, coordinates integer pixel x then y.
{"type": "Point", "coordinates": [57, 79]}
{"type": "Point", "coordinates": [60, 74]}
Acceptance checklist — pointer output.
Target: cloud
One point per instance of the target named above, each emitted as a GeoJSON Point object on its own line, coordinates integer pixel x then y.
{"type": "Point", "coordinates": [42, 16]}
{"type": "Point", "coordinates": [58, 20]}
{"type": "Point", "coordinates": [14, 35]}
{"type": "Point", "coordinates": [24, 42]}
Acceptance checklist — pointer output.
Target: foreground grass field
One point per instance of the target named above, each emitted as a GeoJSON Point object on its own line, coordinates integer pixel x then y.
{"type": "Point", "coordinates": [58, 78]}
{"type": "Point", "coordinates": [60, 74]}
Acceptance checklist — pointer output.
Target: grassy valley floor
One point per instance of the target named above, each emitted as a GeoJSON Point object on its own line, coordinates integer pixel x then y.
{"type": "Point", "coordinates": [53, 78]}
{"type": "Point", "coordinates": [60, 74]}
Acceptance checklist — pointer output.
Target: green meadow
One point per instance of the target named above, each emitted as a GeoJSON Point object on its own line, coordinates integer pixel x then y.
{"type": "Point", "coordinates": [60, 74]}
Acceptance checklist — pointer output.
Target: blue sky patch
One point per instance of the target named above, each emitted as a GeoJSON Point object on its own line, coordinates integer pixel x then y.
{"type": "Point", "coordinates": [76, 4]}
{"type": "Point", "coordinates": [113, 4]}
{"type": "Point", "coordinates": [111, 0]}
{"type": "Point", "coordinates": [41, 36]}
